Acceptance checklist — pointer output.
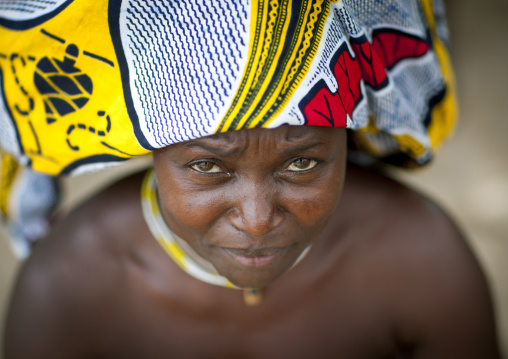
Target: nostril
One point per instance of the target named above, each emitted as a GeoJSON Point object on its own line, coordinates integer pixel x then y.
{"type": "Point", "coordinates": [256, 224]}
{"type": "Point", "coordinates": [235, 219]}
{"type": "Point", "coordinates": [277, 217]}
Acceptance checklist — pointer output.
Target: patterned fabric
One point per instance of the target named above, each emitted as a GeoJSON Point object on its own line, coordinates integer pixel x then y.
{"type": "Point", "coordinates": [89, 84]}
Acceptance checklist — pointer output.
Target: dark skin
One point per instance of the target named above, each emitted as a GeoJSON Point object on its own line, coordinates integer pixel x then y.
{"type": "Point", "coordinates": [388, 276]}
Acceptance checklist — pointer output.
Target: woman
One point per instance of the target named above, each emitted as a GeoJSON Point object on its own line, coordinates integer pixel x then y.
{"type": "Point", "coordinates": [269, 243]}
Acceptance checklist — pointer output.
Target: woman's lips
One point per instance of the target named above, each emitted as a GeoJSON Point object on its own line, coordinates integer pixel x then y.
{"type": "Point", "coordinates": [254, 258]}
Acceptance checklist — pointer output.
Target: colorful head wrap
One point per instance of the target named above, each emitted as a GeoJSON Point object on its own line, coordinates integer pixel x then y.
{"type": "Point", "coordinates": [88, 84]}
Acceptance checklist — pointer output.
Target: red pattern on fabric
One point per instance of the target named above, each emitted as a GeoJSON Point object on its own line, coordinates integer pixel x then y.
{"type": "Point", "coordinates": [388, 48]}
{"type": "Point", "coordinates": [393, 47]}
{"type": "Point", "coordinates": [373, 69]}
{"type": "Point", "coordinates": [331, 109]}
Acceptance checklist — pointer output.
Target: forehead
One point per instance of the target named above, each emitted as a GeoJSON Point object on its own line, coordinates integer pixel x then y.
{"type": "Point", "coordinates": [260, 144]}
{"type": "Point", "coordinates": [280, 137]}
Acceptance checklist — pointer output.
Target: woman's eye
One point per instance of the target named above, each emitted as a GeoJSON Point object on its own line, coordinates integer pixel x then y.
{"type": "Point", "coordinates": [206, 167]}
{"type": "Point", "coordinates": [302, 164]}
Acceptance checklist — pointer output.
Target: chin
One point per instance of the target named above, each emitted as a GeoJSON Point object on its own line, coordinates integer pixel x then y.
{"type": "Point", "coordinates": [256, 271]}
{"type": "Point", "coordinates": [254, 278]}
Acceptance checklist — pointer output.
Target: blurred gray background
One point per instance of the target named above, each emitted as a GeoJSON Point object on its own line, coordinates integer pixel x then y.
{"type": "Point", "coordinates": [469, 177]}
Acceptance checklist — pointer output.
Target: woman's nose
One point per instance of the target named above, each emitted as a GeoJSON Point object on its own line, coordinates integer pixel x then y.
{"type": "Point", "coordinates": [256, 211]}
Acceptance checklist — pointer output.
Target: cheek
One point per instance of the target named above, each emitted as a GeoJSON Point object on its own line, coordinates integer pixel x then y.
{"type": "Point", "coordinates": [187, 208]}
{"type": "Point", "coordinates": [314, 205]}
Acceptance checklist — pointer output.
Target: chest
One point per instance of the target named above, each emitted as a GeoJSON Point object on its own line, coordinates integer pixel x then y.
{"type": "Point", "coordinates": [301, 326]}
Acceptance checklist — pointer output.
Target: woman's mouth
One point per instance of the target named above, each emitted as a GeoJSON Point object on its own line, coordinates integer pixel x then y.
{"type": "Point", "coordinates": [254, 258]}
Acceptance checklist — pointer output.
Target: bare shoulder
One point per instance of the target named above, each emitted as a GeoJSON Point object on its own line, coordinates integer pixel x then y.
{"type": "Point", "coordinates": [73, 275]}
{"type": "Point", "coordinates": [422, 265]}
{"type": "Point", "coordinates": [392, 215]}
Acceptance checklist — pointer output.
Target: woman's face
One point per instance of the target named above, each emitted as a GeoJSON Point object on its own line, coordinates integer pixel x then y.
{"type": "Point", "coordinates": [251, 201]}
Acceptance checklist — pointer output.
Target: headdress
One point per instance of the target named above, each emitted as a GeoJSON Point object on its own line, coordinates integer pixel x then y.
{"type": "Point", "coordinates": [89, 84]}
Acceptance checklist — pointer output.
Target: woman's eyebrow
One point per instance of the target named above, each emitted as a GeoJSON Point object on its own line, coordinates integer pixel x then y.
{"type": "Point", "coordinates": [221, 150]}
{"type": "Point", "coordinates": [294, 150]}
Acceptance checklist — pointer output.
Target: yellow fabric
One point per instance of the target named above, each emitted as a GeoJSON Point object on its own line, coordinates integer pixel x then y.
{"type": "Point", "coordinates": [46, 144]}
{"type": "Point", "coordinates": [8, 169]}
{"type": "Point", "coordinates": [444, 114]}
